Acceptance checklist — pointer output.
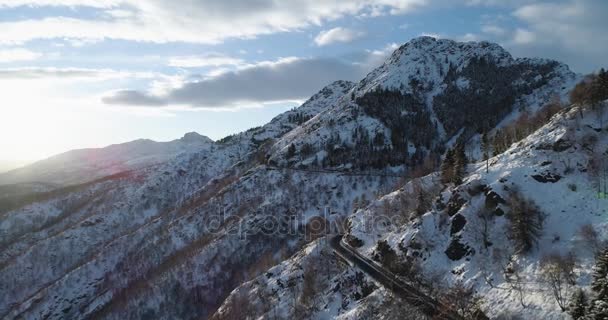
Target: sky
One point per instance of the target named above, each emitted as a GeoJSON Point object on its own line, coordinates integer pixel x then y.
{"type": "Point", "coordinates": [89, 73]}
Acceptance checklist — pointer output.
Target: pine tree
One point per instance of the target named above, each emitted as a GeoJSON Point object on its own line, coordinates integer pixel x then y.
{"type": "Point", "coordinates": [460, 164]}
{"type": "Point", "coordinates": [291, 151]}
{"type": "Point", "coordinates": [600, 276]}
{"type": "Point", "coordinates": [578, 305]}
{"type": "Point", "coordinates": [598, 310]}
{"type": "Point", "coordinates": [447, 167]}
{"type": "Point", "coordinates": [599, 285]}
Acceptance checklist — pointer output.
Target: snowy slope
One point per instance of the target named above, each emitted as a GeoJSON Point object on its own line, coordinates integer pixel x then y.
{"type": "Point", "coordinates": [94, 235]}
{"type": "Point", "coordinates": [441, 89]}
{"type": "Point", "coordinates": [313, 285]}
{"type": "Point", "coordinates": [172, 237]}
{"type": "Point", "coordinates": [563, 149]}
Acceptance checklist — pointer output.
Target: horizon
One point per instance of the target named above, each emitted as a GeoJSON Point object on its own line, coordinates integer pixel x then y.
{"type": "Point", "coordinates": [95, 87]}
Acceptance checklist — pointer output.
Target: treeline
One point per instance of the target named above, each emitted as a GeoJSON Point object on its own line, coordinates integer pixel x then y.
{"type": "Point", "coordinates": [403, 114]}
{"type": "Point", "coordinates": [298, 118]}
{"type": "Point", "coordinates": [488, 93]}
{"type": "Point", "coordinates": [592, 91]}
{"type": "Point", "coordinates": [453, 167]}
{"type": "Point", "coordinates": [365, 152]}
{"type": "Point", "coordinates": [525, 125]}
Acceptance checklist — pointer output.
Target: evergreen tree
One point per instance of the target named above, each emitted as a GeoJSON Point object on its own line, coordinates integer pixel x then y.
{"type": "Point", "coordinates": [600, 276]}
{"type": "Point", "coordinates": [447, 167]}
{"type": "Point", "coordinates": [598, 311]}
{"type": "Point", "coordinates": [460, 164]}
{"type": "Point", "coordinates": [291, 151]}
{"type": "Point", "coordinates": [578, 305]}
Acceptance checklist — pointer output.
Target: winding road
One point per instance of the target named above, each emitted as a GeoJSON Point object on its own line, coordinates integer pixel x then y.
{"type": "Point", "coordinates": [409, 293]}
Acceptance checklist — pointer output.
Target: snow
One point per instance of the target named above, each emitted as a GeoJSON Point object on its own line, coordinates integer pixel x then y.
{"type": "Point", "coordinates": [566, 212]}
{"type": "Point", "coordinates": [143, 237]}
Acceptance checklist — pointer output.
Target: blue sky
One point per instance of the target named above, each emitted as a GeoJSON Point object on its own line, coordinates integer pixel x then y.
{"type": "Point", "coordinates": [88, 73]}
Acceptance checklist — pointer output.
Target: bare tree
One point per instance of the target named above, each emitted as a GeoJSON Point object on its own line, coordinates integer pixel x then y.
{"type": "Point", "coordinates": [590, 237]}
{"type": "Point", "coordinates": [557, 272]}
{"type": "Point", "coordinates": [513, 276]}
{"type": "Point", "coordinates": [462, 300]}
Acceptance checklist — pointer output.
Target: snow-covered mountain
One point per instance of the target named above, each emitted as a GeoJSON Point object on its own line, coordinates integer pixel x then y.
{"type": "Point", "coordinates": [172, 237]}
{"type": "Point", "coordinates": [84, 165]}
{"type": "Point", "coordinates": [427, 94]}
{"type": "Point", "coordinates": [464, 238]}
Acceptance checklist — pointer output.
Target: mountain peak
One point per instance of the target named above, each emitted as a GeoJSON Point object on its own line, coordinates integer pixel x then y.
{"type": "Point", "coordinates": [427, 62]}
{"type": "Point", "coordinates": [447, 47]}
{"type": "Point", "coordinates": [194, 137]}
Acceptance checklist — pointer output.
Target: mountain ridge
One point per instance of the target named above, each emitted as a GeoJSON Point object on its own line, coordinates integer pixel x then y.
{"type": "Point", "coordinates": [140, 245]}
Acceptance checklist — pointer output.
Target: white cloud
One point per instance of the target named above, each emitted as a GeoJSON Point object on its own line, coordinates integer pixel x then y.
{"type": "Point", "coordinates": [33, 73]}
{"type": "Point", "coordinates": [164, 21]}
{"type": "Point", "coordinates": [573, 24]}
{"type": "Point", "coordinates": [523, 36]}
{"type": "Point", "coordinates": [253, 84]}
{"type": "Point", "coordinates": [432, 35]}
{"type": "Point", "coordinates": [338, 34]}
{"type": "Point", "coordinates": [18, 54]}
{"type": "Point", "coordinates": [469, 37]}
{"type": "Point", "coordinates": [60, 3]}
{"type": "Point", "coordinates": [493, 30]}
{"type": "Point", "coordinates": [263, 82]}
{"type": "Point", "coordinates": [210, 60]}
{"type": "Point", "coordinates": [573, 31]}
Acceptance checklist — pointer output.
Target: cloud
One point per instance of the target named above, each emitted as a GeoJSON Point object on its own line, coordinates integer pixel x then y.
{"type": "Point", "coordinates": [69, 73]}
{"type": "Point", "coordinates": [572, 31]}
{"type": "Point", "coordinates": [60, 3]}
{"type": "Point", "coordinates": [209, 60]}
{"type": "Point", "coordinates": [493, 30]}
{"type": "Point", "coordinates": [162, 21]}
{"type": "Point", "coordinates": [469, 37]}
{"type": "Point", "coordinates": [338, 34]}
{"type": "Point", "coordinates": [523, 36]}
{"type": "Point", "coordinates": [18, 54]}
{"type": "Point", "coordinates": [431, 34]}
{"type": "Point", "coordinates": [133, 98]}
{"type": "Point", "coordinates": [286, 79]}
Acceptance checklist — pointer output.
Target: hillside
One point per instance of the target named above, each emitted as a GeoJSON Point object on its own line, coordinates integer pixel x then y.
{"type": "Point", "coordinates": [78, 166]}
{"type": "Point", "coordinates": [174, 237]}
{"type": "Point", "coordinates": [463, 238]}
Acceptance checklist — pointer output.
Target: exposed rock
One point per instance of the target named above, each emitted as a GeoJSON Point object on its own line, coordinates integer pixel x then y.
{"type": "Point", "coordinates": [498, 212]}
{"type": "Point", "coordinates": [457, 250]}
{"type": "Point", "coordinates": [493, 199]}
{"type": "Point", "coordinates": [456, 202]}
{"type": "Point", "coordinates": [561, 145]}
{"type": "Point", "coordinates": [353, 241]}
{"type": "Point", "coordinates": [476, 188]}
{"type": "Point", "coordinates": [547, 177]}
{"type": "Point", "coordinates": [458, 222]}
